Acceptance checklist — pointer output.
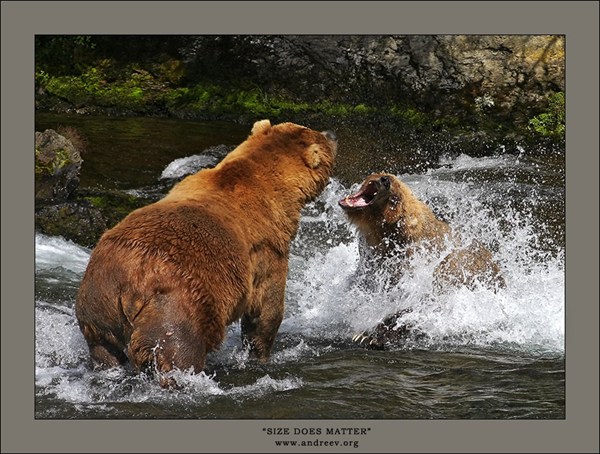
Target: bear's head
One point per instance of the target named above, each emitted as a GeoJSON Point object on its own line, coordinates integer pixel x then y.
{"type": "Point", "coordinates": [298, 156]}
{"type": "Point", "coordinates": [377, 199]}
{"type": "Point", "coordinates": [383, 206]}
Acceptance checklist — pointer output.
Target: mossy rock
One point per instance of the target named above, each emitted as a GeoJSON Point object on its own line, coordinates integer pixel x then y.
{"type": "Point", "coordinates": [114, 205]}
{"type": "Point", "coordinates": [75, 221]}
{"type": "Point", "coordinates": [87, 215]}
{"type": "Point", "coordinates": [57, 166]}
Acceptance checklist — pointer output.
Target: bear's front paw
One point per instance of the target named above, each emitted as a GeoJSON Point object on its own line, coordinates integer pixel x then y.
{"type": "Point", "coordinates": [365, 339]}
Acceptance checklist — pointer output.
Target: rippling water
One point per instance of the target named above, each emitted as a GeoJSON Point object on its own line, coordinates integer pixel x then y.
{"type": "Point", "coordinates": [483, 355]}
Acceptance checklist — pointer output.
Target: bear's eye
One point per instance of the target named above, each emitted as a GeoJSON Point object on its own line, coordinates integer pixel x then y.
{"type": "Point", "coordinates": [385, 181]}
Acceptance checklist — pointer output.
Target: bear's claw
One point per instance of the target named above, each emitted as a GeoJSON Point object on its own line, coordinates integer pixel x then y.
{"type": "Point", "coordinates": [360, 338]}
{"type": "Point", "coordinates": [367, 340]}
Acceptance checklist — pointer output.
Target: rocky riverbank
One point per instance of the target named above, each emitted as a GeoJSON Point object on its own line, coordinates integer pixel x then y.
{"type": "Point", "coordinates": [497, 84]}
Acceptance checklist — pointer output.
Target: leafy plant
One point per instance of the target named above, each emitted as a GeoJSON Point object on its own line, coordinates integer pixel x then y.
{"type": "Point", "coordinates": [552, 122]}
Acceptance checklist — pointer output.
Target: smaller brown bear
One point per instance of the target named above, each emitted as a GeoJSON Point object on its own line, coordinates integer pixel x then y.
{"type": "Point", "coordinates": [393, 222]}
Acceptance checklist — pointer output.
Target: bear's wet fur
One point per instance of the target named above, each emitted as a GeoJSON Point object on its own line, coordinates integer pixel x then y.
{"type": "Point", "coordinates": [162, 285]}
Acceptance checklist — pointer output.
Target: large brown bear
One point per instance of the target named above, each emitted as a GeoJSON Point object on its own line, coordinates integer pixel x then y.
{"type": "Point", "coordinates": [392, 221]}
{"type": "Point", "coordinates": [162, 286]}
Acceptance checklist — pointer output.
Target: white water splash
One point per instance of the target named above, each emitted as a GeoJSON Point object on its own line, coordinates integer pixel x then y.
{"type": "Point", "coordinates": [53, 252]}
{"type": "Point", "coordinates": [192, 164]}
{"type": "Point", "coordinates": [188, 165]}
{"type": "Point", "coordinates": [58, 340]}
{"type": "Point", "coordinates": [464, 161]}
{"type": "Point", "coordinates": [528, 314]}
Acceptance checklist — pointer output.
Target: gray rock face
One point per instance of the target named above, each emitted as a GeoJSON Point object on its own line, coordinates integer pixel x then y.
{"type": "Point", "coordinates": [57, 166]}
{"type": "Point", "coordinates": [451, 73]}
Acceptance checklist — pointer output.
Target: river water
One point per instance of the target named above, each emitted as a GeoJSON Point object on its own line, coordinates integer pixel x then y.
{"type": "Point", "coordinates": [483, 355]}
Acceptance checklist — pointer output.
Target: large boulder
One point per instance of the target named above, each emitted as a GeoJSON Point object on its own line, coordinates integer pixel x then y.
{"type": "Point", "coordinates": [57, 166]}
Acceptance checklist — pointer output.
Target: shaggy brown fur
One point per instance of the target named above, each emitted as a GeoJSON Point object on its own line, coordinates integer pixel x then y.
{"type": "Point", "coordinates": [162, 286]}
{"type": "Point", "coordinates": [393, 221]}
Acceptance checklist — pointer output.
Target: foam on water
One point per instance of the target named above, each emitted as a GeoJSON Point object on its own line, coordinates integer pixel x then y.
{"type": "Point", "coordinates": [58, 340]}
{"type": "Point", "coordinates": [53, 252]}
{"type": "Point", "coordinates": [192, 164]}
{"type": "Point", "coordinates": [464, 161]}
{"type": "Point", "coordinates": [324, 304]}
{"type": "Point", "coordinates": [187, 165]}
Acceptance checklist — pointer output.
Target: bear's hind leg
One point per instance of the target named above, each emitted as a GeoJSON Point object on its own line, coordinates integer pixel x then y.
{"type": "Point", "coordinates": [260, 325]}
{"type": "Point", "coordinates": [162, 343]}
{"type": "Point", "coordinates": [258, 333]}
{"type": "Point", "coordinates": [106, 351]}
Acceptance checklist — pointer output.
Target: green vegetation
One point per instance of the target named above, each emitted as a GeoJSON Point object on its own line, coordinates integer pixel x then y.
{"type": "Point", "coordinates": [94, 87]}
{"type": "Point", "coordinates": [139, 91]}
{"type": "Point", "coordinates": [96, 201]}
{"type": "Point", "coordinates": [114, 204]}
{"type": "Point", "coordinates": [552, 122]}
{"type": "Point", "coordinates": [60, 160]}
{"type": "Point", "coordinates": [409, 114]}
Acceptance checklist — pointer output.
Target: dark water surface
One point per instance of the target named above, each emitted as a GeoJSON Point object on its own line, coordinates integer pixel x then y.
{"type": "Point", "coordinates": [484, 355]}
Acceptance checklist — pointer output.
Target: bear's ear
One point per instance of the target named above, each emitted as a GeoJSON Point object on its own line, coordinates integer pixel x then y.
{"type": "Point", "coordinates": [312, 156]}
{"type": "Point", "coordinates": [261, 126]}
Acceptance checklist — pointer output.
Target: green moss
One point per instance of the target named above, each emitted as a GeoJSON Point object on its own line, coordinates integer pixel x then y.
{"type": "Point", "coordinates": [113, 204]}
{"type": "Point", "coordinates": [362, 109]}
{"type": "Point", "coordinates": [133, 88]}
{"type": "Point", "coordinates": [96, 201]}
{"type": "Point", "coordinates": [409, 114]}
{"type": "Point", "coordinates": [94, 88]}
{"type": "Point", "coordinates": [552, 122]}
{"type": "Point", "coordinates": [61, 159]}
{"type": "Point", "coordinates": [217, 99]}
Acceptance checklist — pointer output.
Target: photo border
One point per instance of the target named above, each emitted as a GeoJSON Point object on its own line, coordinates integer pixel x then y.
{"type": "Point", "coordinates": [21, 21]}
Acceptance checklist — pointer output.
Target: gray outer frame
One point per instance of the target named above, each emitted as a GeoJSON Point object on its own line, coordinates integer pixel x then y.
{"type": "Point", "coordinates": [22, 20]}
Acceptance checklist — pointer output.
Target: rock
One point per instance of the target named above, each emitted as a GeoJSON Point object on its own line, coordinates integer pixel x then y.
{"type": "Point", "coordinates": [57, 166]}
{"type": "Point", "coordinates": [86, 215]}
{"type": "Point", "coordinates": [75, 221]}
{"type": "Point", "coordinates": [474, 74]}
{"type": "Point", "coordinates": [484, 82]}
{"type": "Point", "coordinates": [61, 207]}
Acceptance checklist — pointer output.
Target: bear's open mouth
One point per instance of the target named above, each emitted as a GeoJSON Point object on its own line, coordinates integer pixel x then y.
{"type": "Point", "coordinates": [363, 198]}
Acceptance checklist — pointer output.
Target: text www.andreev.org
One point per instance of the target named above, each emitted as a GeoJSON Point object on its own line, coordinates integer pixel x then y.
{"type": "Point", "coordinates": [317, 443]}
